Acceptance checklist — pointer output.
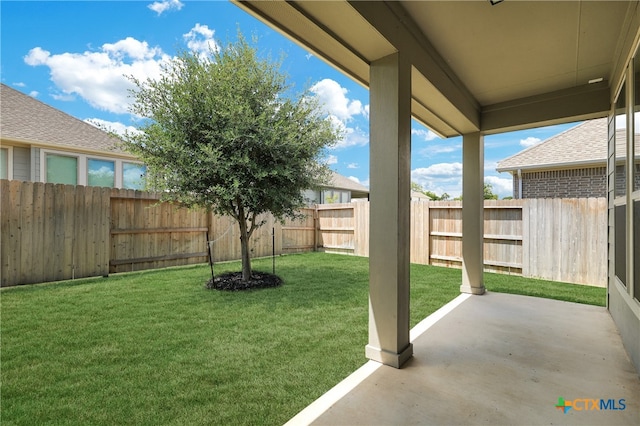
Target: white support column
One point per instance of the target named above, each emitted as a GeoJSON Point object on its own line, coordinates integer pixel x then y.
{"type": "Point", "coordinates": [472, 213]}
{"type": "Point", "coordinates": [390, 174]}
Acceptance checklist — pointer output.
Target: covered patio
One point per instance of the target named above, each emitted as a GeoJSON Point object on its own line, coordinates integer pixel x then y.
{"type": "Point", "coordinates": [470, 69]}
{"type": "Point", "coordinates": [528, 353]}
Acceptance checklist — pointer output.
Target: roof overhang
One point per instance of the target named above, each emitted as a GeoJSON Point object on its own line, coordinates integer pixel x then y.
{"type": "Point", "coordinates": [476, 67]}
{"type": "Point", "coordinates": [555, 166]}
{"type": "Point", "coordinates": [67, 148]}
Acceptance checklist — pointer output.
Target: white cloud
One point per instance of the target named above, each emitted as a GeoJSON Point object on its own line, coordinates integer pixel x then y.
{"type": "Point", "coordinates": [332, 159]}
{"type": "Point", "coordinates": [440, 178]}
{"type": "Point", "coordinates": [490, 166]}
{"type": "Point", "coordinates": [19, 84]}
{"type": "Point", "coordinates": [37, 56]}
{"type": "Point", "coordinates": [441, 170]}
{"type": "Point", "coordinates": [200, 40]}
{"type": "Point", "coordinates": [425, 134]}
{"type": "Point", "coordinates": [162, 6]}
{"type": "Point", "coordinates": [340, 111]}
{"type": "Point", "coordinates": [135, 49]}
{"type": "Point", "coordinates": [99, 76]}
{"type": "Point", "coordinates": [530, 141]}
{"type": "Point", "coordinates": [353, 166]}
{"type": "Point", "coordinates": [436, 149]}
{"type": "Point", "coordinates": [63, 97]}
{"type": "Point", "coordinates": [447, 177]}
{"type": "Point", "coordinates": [34, 93]}
{"type": "Point", "coordinates": [501, 186]}
{"type": "Point", "coordinates": [308, 56]}
{"type": "Point", "coordinates": [112, 126]}
{"type": "Point", "coordinates": [334, 99]}
{"type": "Point", "coordinates": [355, 179]}
{"type": "Point", "coordinates": [351, 136]}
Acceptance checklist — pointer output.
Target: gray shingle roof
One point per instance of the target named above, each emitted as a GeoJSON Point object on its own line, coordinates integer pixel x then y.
{"type": "Point", "coordinates": [341, 182]}
{"type": "Point", "coordinates": [586, 142]}
{"type": "Point", "coordinates": [27, 119]}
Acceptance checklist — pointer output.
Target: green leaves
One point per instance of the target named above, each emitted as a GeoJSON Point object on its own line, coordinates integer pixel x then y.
{"type": "Point", "coordinates": [225, 133]}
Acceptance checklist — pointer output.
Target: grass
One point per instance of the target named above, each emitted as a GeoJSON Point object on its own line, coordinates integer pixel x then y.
{"type": "Point", "coordinates": [158, 348]}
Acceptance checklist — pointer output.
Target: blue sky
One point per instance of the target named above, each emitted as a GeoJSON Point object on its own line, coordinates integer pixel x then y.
{"type": "Point", "coordinates": [74, 55]}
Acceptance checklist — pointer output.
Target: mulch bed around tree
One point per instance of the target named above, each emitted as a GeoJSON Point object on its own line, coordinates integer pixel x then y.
{"type": "Point", "coordinates": [232, 281]}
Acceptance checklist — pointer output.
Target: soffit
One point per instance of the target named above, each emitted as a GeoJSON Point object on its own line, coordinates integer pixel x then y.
{"type": "Point", "coordinates": [475, 66]}
{"type": "Point", "coordinates": [331, 30]}
{"type": "Point", "coordinates": [518, 49]}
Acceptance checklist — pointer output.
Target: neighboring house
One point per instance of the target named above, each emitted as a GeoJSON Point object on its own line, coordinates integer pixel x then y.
{"type": "Point", "coordinates": [572, 164]}
{"type": "Point", "coordinates": [42, 144]}
{"type": "Point", "coordinates": [339, 190]}
{"type": "Point", "coordinates": [419, 196]}
{"type": "Point", "coordinates": [39, 143]}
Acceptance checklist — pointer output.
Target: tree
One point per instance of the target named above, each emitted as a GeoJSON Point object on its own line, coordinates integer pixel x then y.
{"type": "Point", "coordinates": [432, 195]}
{"type": "Point", "coordinates": [488, 192]}
{"type": "Point", "coordinates": [224, 133]}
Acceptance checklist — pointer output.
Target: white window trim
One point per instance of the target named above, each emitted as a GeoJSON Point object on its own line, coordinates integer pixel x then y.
{"type": "Point", "coordinates": [43, 164]}
{"type": "Point", "coordinates": [112, 160]}
{"type": "Point", "coordinates": [83, 169]}
{"type": "Point", "coordinates": [9, 161]}
{"type": "Point", "coordinates": [121, 172]}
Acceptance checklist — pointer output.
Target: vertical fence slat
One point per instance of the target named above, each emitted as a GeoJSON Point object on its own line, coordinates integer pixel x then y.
{"type": "Point", "coordinates": [52, 232]}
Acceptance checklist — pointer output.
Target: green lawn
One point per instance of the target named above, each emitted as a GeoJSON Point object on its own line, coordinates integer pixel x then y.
{"type": "Point", "coordinates": [158, 348]}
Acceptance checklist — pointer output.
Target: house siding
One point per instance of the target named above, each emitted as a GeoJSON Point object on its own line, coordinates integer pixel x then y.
{"type": "Point", "coordinates": [35, 161]}
{"type": "Point", "coordinates": [21, 163]}
{"type": "Point", "coordinates": [573, 183]}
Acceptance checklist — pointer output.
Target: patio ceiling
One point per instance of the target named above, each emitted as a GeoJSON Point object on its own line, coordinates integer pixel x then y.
{"type": "Point", "coordinates": [476, 67]}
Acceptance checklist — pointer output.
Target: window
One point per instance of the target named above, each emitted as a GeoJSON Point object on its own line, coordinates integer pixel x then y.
{"type": "Point", "coordinates": [621, 144]}
{"type": "Point", "coordinates": [100, 173]}
{"type": "Point", "coordinates": [635, 175]}
{"type": "Point", "coordinates": [4, 163]}
{"type": "Point", "coordinates": [332, 196]}
{"type": "Point", "coordinates": [621, 243]}
{"type": "Point", "coordinates": [133, 175]}
{"type": "Point", "coordinates": [636, 250]}
{"type": "Point", "coordinates": [62, 169]}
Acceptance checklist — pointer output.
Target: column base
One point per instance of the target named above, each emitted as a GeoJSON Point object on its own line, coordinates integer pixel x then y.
{"type": "Point", "coordinates": [389, 358]}
{"type": "Point", "coordinates": [464, 288]}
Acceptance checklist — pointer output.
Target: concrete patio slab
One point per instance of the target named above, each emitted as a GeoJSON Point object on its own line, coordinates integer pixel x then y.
{"type": "Point", "coordinates": [495, 359]}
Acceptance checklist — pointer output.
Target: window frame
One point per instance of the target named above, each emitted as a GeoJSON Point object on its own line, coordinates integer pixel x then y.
{"type": "Point", "coordinates": [9, 149]}
{"type": "Point", "coordinates": [44, 164]}
{"type": "Point", "coordinates": [110, 160]}
{"type": "Point", "coordinates": [83, 165]}
{"type": "Point", "coordinates": [122, 162]}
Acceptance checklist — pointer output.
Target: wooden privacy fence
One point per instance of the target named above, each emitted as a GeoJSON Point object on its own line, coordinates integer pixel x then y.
{"type": "Point", "coordinates": [53, 232]}
{"type": "Point", "coordinates": [555, 239]}
{"type": "Point", "coordinates": [56, 232]}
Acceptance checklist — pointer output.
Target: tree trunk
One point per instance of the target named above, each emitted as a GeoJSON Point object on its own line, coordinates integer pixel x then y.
{"type": "Point", "coordinates": [244, 247]}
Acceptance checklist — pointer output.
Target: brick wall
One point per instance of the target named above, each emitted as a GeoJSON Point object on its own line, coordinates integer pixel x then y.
{"type": "Point", "coordinates": [574, 183]}
{"type": "Point", "coordinates": [621, 180]}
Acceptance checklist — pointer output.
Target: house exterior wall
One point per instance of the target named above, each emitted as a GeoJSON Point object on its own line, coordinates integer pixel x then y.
{"type": "Point", "coordinates": [35, 165]}
{"type": "Point", "coordinates": [621, 178]}
{"type": "Point", "coordinates": [623, 198]}
{"type": "Point", "coordinates": [573, 183]}
{"type": "Point", "coordinates": [311, 197]}
{"type": "Point", "coordinates": [21, 163]}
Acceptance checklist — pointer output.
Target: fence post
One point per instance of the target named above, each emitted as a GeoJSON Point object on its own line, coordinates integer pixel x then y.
{"type": "Point", "coordinates": [316, 227]}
